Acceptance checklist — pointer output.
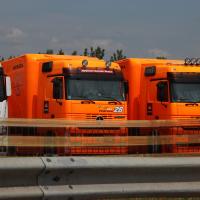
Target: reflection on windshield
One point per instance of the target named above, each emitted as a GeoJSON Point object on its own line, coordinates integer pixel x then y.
{"type": "Point", "coordinates": [185, 92]}
{"type": "Point", "coordinates": [95, 90]}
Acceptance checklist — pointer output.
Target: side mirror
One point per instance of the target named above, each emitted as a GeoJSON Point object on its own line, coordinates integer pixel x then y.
{"type": "Point", "coordinates": [162, 91]}
{"type": "Point", "coordinates": [8, 86]}
{"type": "Point", "coordinates": [57, 88]}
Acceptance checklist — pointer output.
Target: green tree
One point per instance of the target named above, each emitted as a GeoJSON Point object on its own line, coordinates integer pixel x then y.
{"type": "Point", "coordinates": [10, 57]}
{"type": "Point", "coordinates": [85, 52]}
{"type": "Point", "coordinates": [61, 52]}
{"type": "Point", "coordinates": [95, 52]}
{"type": "Point", "coordinates": [92, 52]}
{"type": "Point", "coordinates": [99, 52]}
{"type": "Point", "coordinates": [161, 57]}
{"type": "Point", "coordinates": [49, 51]}
{"type": "Point", "coordinates": [74, 53]}
{"type": "Point", "coordinates": [118, 55]}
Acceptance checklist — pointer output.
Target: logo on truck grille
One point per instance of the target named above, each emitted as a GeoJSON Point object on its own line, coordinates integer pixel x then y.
{"type": "Point", "coordinates": [99, 118]}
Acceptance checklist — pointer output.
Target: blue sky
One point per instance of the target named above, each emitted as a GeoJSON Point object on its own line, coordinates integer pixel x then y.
{"type": "Point", "coordinates": [142, 28]}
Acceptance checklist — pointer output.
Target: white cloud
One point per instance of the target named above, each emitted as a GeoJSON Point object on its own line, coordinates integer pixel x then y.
{"type": "Point", "coordinates": [14, 34]}
{"type": "Point", "coordinates": [107, 44]}
{"type": "Point", "coordinates": [54, 41]}
{"type": "Point", "coordinates": [104, 43]}
{"type": "Point", "coordinates": [158, 52]}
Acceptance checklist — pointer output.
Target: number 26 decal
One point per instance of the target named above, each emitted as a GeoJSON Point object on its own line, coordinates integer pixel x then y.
{"type": "Point", "coordinates": [118, 109]}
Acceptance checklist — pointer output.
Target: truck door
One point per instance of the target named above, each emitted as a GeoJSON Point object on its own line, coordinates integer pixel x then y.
{"type": "Point", "coordinates": [54, 107]}
{"type": "Point", "coordinates": [54, 100]}
{"type": "Point", "coordinates": [158, 107]}
{"type": "Point", "coordinates": [158, 104]}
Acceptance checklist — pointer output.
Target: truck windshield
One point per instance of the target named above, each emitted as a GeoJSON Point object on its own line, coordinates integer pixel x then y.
{"type": "Point", "coordinates": [100, 90]}
{"type": "Point", "coordinates": [185, 92]}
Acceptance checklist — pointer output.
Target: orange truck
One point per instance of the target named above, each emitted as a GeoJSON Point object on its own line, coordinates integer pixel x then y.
{"type": "Point", "coordinates": [67, 87]}
{"type": "Point", "coordinates": [163, 89]}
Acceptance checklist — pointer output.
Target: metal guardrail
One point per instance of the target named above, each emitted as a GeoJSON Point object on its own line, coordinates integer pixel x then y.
{"type": "Point", "coordinates": [59, 123]}
{"type": "Point", "coordinates": [75, 178]}
{"type": "Point", "coordinates": [98, 136]}
{"type": "Point", "coordinates": [77, 141]}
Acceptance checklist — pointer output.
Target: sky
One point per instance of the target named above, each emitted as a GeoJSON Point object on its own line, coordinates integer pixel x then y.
{"type": "Point", "coordinates": [142, 28]}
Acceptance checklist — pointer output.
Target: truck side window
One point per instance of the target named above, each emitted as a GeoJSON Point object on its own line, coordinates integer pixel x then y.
{"type": "Point", "coordinates": [58, 88]}
{"type": "Point", "coordinates": [162, 91]}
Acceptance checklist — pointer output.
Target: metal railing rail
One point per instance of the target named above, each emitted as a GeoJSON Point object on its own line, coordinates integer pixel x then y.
{"type": "Point", "coordinates": [76, 141]}
{"type": "Point", "coordinates": [37, 140]}
{"type": "Point", "coordinates": [98, 177]}
{"type": "Point", "coordinates": [58, 123]}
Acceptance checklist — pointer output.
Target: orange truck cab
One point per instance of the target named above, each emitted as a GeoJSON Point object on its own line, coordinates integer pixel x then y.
{"type": "Point", "coordinates": [162, 89]}
{"type": "Point", "coordinates": [68, 87]}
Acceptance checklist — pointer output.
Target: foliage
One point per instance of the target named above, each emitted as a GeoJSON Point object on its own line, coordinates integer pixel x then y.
{"type": "Point", "coordinates": [95, 52]}
{"type": "Point", "coordinates": [118, 55]}
{"type": "Point", "coordinates": [161, 57]}
{"type": "Point", "coordinates": [49, 51]}
{"type": "Point", "coordinates": [92, 52]}
{"type": "Point", "coordinates": [74, 53]}
{"type": "Point", "coordinates": [61, 52]}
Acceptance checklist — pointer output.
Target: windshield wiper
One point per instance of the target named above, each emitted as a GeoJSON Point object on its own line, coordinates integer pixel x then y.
{"type": "Point", "coordinates": [86, 99]}
{"type": "Point", "coordinates": [111, 98]}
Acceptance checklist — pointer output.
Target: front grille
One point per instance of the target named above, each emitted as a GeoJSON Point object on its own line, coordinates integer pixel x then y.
{"type": "Point", "coordinates": [90, 116]}
{"type": "Point", "coordinates": [97, 128]}
{"type": "Point", "coordinates": [94, 116]}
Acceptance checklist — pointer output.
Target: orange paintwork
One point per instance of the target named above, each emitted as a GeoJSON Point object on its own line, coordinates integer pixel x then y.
{"type": "Point", "coordinates": [143, 91]}
{"type": "Point", "coordinates": [31, 88]}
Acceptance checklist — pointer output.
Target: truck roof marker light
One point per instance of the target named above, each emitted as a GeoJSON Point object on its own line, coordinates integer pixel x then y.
{"type": "Point", "coordinates": [198, 61]}
{"type": "Point", "coordinates": [108, 64]}
{"type": "Point", "coordinates": [84, 64]}
{"type": "Point", "coordinates": [187, 61]}
{"type": "Point", "coordinates": [192, 61]}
